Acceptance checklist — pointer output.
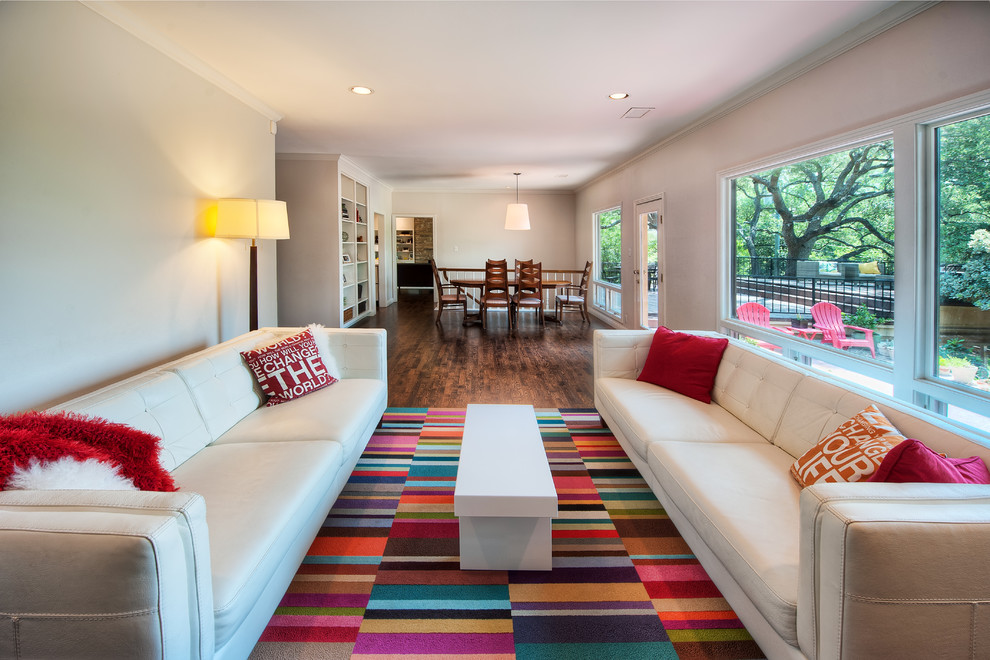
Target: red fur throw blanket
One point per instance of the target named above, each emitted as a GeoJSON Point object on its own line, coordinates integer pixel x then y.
{"type": "Point", "coordinates": [42, 438]}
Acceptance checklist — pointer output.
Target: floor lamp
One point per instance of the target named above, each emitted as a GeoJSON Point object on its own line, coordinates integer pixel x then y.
{"type": "Point", "coordinates": [254, 219]}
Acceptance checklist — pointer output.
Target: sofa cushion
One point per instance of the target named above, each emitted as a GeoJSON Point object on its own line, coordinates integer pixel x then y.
{"type": "Point", "coordinates": [157, 403]}
{"type": "Point", "coordinates": [683, 362]}
{"type": "Point", "coordinates": [221, 385]}
{"type": "Point", "coordinates": [742, 502]}
{"type": "Point", "coordinates": [257, 497]}
{"type": "Point", "coordinates": [648, 413]}
{"type": "Point", "coordinates": [339, 413]}
{"type": "Point", "coordinates": [815, 409]}
{"type": "Point", "coordinates": [754, 388]}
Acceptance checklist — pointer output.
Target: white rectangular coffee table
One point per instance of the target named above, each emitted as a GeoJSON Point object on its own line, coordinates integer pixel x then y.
{"type": "Point", "coordinates": [504, 495]}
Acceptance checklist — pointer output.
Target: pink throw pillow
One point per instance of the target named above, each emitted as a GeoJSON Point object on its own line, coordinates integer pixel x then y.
{"type": "Point", "coordinates": [912, 462]}
{"type": "Point", "coordinates": [684, 363]}
{"type": "Point", "coordinates": [289, 369]}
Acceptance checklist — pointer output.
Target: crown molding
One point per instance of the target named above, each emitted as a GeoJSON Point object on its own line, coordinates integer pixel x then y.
{"type": "Point", "coordinates": [868, 29]}
{"type": "Point", "coordinates": [127, 21]}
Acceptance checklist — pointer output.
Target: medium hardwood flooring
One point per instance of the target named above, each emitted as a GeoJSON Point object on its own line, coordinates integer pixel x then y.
{"type": "Point", "coordinates": [452, 365]}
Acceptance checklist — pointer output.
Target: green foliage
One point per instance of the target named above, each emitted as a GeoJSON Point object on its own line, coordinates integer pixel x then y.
{"type": "Point", "coordinates": [610, 245]}
{"type": "Point", "coordinates": [954, 361]}
{"type": "Point", "coordinates": [862, 318]}
{"type": "Point", "coordinates": [964, 210]}
{"type": "Point", "coordinates": [972, 281]}
{"type": "Point", "coordinates": [955, 348]}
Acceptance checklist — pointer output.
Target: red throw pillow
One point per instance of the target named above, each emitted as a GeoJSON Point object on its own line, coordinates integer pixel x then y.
{"type": "Point", "coordinates": [912, 462]}
{"type": "Point", "coordinates": [289, 369]}
{"type": "Point", "coordinates": [47, 437]}
{"type": "Point", "coordinates": [684, 363]}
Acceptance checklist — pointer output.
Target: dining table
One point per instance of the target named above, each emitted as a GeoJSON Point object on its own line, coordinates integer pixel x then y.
{"type": "Point", "coordinates": [480, 284]}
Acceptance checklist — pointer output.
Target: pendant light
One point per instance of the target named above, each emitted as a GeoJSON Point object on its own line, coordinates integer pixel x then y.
{"type": "Point", "coordinates": [517, 215]}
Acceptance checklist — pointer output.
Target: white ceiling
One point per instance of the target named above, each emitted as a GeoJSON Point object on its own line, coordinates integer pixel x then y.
{"type": "Point", "coordinates": [466, 93]}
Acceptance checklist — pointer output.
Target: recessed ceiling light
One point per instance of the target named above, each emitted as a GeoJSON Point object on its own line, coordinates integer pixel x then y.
{"type": "Point", "coordinates": [363, 91]}
{"type": "Point", "coordinates": [618, 96]}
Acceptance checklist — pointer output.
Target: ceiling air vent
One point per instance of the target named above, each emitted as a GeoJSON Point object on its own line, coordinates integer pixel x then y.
{"type": "Point", "coordinates": [636, 113]}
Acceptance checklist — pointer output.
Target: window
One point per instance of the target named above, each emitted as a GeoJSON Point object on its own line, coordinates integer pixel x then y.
{"type": "Point", "coordinates": [819, 232]}
{"type": "Point", "coordinates": [942, 220]}
{"type": "Point", "coordinates": [961, 164]}
{"type": "Point", "coordinates": [608, 265]}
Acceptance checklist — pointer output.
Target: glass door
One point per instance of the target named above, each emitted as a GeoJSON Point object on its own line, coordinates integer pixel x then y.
{"type": "Point", "coordinates": [649, 265]}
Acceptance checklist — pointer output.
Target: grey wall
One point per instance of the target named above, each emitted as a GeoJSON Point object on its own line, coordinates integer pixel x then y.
{"type": "Point", "coordinates": [111, 153]}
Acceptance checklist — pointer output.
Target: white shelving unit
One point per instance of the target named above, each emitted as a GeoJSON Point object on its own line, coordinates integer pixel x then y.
{"type": "Point", "coordinates": [325, 270]}
{"type": "Point", "coordinates": [405, 246]}
{"type": "Point", "coordinates": [355, 235]}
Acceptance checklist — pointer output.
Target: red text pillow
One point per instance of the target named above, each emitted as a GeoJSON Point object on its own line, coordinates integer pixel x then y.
{"type": "Point", "coordinates": [289, 368]}
{"type": "Point", "coordinates": [912, 462]}
{"type": "Point", "coordinates": [684, 363]}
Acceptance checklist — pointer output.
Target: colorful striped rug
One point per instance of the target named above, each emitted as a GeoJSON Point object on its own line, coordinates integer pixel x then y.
{"type": "Point", "coordinates": [382, 579]}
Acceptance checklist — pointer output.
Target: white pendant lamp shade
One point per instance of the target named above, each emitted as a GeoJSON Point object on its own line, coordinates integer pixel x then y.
{"type": "Point", "coordinates": [517, 215]}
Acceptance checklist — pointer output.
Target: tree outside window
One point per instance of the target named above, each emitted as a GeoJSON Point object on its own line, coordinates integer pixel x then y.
{"type": "Point", "coordinates": [963, 210]}
{"type": "Point", "coordinates": [821, 230]}
{"type": "Point", "coordinates": [608, 225]}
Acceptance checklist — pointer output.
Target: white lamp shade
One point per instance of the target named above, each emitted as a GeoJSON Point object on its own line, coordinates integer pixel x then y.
{"type": "Point", "coordinates": [517, 217]}
{"type": "Point", "coordinates": [252, 218]}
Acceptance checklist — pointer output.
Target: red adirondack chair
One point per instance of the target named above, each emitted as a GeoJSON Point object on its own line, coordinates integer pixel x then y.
{"type": "Point", "coordinates": [757, 314]}
{"type": "Point", "coordinates": [828, 318]}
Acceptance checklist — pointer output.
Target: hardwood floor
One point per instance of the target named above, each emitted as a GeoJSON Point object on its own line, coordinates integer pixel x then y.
{"type": "Point", "coordinates": [451, 365]}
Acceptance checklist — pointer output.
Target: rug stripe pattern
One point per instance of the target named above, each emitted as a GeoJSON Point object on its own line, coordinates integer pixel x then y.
{"type": "Point", "coordinates": [382, 579]}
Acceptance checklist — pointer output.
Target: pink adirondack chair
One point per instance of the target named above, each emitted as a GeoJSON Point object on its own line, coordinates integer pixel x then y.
{"type": "Point", "coordinates": [828, 318]}
{"type": "Point", "coordinates": [757, 314]}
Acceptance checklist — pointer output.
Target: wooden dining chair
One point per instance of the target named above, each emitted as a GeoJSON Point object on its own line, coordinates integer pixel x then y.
{"type": "Point", "coordinates": [449, 296]}
{"type": "Point", "coordinates": [520, 264]}
{"type": "Point", "coordinates": [529, 289]}
{"type": "Point", "coordinates": [574, 296]}
{"type": "Point", "coordinates": [496, 291]}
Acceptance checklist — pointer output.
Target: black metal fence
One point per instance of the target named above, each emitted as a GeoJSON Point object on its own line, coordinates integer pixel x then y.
{"type": "Point", "coordinates": [781, 267]}
{"type": "Point", "coordinates": [796, 295]}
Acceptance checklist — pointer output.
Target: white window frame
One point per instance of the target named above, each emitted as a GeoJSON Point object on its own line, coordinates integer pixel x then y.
{"type": "Point", "coordinates": [606, 297]}
{"type": "Point", "coordinates": [915, 341]}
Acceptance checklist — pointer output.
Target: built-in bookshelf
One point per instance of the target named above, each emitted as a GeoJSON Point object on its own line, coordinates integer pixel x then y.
{"type": "Point", "coordinates": [325, 270]}
{"type": "Point", "coordinates": [355, 234]}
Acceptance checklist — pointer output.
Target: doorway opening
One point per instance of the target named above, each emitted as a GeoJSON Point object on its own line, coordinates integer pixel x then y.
{"type": "Point", "coordinates": [413, 251]}
{"type": "Point", "coordinates": [650, 262]}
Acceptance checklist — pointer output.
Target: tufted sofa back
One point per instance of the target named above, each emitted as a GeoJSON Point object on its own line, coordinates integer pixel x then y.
{"type": "Point", "coordinates": [187, 403]}
{"type": "Point", "coordinates": [795, 408]}
{"type": "Point", "coordinates": [788, 404]}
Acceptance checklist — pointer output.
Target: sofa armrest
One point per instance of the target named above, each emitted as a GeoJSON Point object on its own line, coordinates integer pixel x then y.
{"type": "Point", "coordinates": [894, 570]}
{"type": "Point", "coordinates": [104, 574]}
{"type": "Point", "coordinates": [360, 352]}
{"type": "Point", "coordinates": [620, 353]}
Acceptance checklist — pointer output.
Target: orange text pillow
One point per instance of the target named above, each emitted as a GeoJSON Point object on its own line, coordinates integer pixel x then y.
{"type": "Point", "coordinates": [852, 452]}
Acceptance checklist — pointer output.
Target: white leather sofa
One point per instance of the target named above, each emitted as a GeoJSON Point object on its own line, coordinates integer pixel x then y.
{"type": "Point", "coordinates": [852, 570]}
{"type": "Point", "coordinates": [195, 573]}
